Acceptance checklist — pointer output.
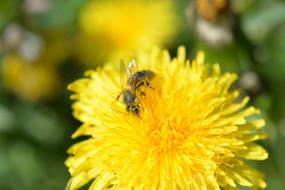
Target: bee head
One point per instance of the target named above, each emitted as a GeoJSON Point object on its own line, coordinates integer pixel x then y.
{"type": "Point", "coordinates": [134, 109]}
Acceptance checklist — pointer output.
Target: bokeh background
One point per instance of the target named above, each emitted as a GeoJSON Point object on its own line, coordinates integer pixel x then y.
{"type": "Point", "coordinates": [46, 44]}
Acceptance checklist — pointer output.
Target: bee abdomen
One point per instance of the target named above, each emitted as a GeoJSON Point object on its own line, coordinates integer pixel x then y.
{"type": "Point", "coordinates": [140, 77]}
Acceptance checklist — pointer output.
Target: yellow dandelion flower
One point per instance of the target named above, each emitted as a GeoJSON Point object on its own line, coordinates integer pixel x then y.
{"type": "Point", "coordinates": [190, 133]}
{"type": "Point", "coordinates": [30, 81]}
{"type": "Point", "coordinates": [114, 29]}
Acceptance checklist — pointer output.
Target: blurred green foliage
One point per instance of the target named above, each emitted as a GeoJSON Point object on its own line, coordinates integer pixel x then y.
{"type": "Point", "coordinates": [34, 135]}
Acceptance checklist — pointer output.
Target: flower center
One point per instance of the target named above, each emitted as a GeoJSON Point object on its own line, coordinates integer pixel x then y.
{"type": "Point", "coordinates": [167, 135]}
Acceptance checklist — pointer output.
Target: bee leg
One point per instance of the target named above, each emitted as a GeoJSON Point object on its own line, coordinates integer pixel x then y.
{"type": "Point", "coordinates": [142, 84]}
{"type": "Point", "coordinates": [118, 97]}
{"type": "Point", "coordinates": [128, 108]}
{"type": "Point", "coordinates": [147, 84]}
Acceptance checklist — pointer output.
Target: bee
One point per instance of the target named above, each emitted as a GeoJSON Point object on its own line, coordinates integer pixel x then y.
{"type": "Point", "coordinates": [136, 81]}
{"type": "Point", "coordinates": [131, 101]}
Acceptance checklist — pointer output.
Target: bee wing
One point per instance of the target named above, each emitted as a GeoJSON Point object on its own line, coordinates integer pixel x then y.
{"type": "Point", "coordinates": [132, 68]}
{"type": "Point", "coordinates": [123, 76]}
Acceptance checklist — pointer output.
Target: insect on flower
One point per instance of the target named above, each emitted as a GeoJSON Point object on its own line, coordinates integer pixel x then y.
{"type": "Point", "coordinates": [186, 129]}
{"type": "Point", "coordinates": [136, 82]}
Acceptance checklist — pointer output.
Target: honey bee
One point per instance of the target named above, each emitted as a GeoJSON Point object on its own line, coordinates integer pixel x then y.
{"type": "Point", "coordinates": [135, 82]}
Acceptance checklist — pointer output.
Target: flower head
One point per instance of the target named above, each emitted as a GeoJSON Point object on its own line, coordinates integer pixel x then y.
{"type": "Point", "coordinates": [115, 29]}
{"type": "Point", "coordinates": [29, 80]}
{"type": "Point", "coordinates": [190, 133]}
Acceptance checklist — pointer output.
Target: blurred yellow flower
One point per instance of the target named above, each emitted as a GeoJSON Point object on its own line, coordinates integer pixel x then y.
{"type": "Point", "coordinates": [113, 29]}
{"type": "Point", "coordinates": [30, 81]}
{"type": "Point", "coordinates": [191, 132]}
{"type": "Point", "coordinates": [57, 47]}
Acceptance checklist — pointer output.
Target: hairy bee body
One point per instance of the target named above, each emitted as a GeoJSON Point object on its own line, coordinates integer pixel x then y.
{"type": "Point", "coordinates": [135, 82]}
{"type": "Point", "coordinates": [131, 101]}
{"type": "Point", "coordinates": [140, 78]}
